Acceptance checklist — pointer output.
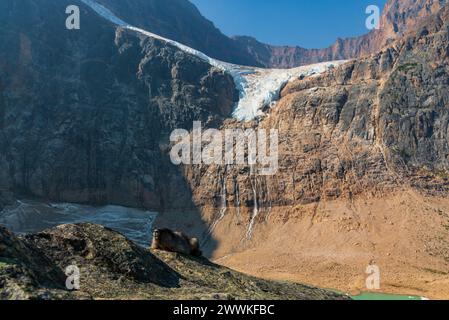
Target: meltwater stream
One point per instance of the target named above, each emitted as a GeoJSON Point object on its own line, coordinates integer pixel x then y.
{"type": "Point", "coordinates": [30, 217]}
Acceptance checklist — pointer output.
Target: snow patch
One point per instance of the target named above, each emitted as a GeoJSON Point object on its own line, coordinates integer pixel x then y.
{"type": "Point", "coordinates": [105, 13]}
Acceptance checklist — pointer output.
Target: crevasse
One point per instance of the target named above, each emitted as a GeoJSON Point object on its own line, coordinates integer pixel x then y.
{"type": "Point", "coordinates": [258, 87]}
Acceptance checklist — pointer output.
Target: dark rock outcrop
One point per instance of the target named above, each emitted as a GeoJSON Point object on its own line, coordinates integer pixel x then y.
{"type": "Point", "coordinates": [112, 267]}
{"type": "Point", "coordinates": [181, 21]}
{"type": "Point", "coordinates": [23, 270]}
{"type": "Point", "coordinates": [85, 114]}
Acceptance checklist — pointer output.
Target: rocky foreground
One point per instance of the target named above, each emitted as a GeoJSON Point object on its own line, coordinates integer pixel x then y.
{"type": "Point", "coordinates": [112, 267]}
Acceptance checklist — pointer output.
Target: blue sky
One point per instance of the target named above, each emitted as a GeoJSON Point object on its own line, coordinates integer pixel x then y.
{"type": "Point", "coordinates": [307, 23]}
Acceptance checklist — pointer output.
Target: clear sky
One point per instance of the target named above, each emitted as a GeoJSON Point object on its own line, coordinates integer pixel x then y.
{"type": "Point", "coordinates": [307, 23]}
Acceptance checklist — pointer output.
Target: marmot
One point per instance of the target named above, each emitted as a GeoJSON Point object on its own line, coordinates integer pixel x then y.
{"type": "Point", "coordinates": [174, 241]}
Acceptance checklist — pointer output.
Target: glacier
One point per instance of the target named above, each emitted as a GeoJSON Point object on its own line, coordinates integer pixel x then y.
{"type": "Point", "coordinates": [28, 216]}
{"type": "Point", "coordinates": [258, 87]}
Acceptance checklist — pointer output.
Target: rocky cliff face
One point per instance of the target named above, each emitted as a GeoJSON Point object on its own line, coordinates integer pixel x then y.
{"type": "Point", "coordinates": [181, 21]}
{"type": "Point", "coordinates": [84, 114]}
{"type": "Point", "coordinates": [368, 130]}
{"type": "Point", "coordinates": [364, 126]}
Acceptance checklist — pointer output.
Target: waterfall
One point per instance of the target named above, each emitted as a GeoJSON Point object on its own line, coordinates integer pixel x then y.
{"type": "Point", "coordinates": [270, 202]}
{"type": "Point", "coordinates": [223, 209]}
{"type": "Point", "coordinates": [249, 232]}
{"type": "Point", "coordinates": [224, 204]}
{"type": "Point", "coordinates": [267, 217]}
{"type": "Point", "coordinates": [237, 200]}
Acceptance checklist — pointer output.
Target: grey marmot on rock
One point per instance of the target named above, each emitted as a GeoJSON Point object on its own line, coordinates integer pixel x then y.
{"type": "Point", "coordinates": [175, 241]}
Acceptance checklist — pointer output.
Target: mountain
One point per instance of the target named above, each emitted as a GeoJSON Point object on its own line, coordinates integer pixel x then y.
{"type": "Point", "coordinates": [181, 21]}
{"type": "Point", "coordinates": [363, 175]}
{"type": "Point", "coordinates": [86, 115]}
{"type": "Point", "coordinates": [397, 17]}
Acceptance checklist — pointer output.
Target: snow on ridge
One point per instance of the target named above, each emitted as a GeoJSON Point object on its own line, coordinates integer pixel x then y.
{"type": "Point", "coordinates": [108, 15]}
{"type": "Point", "coordinates": [105, 13]}
{"type": "Point", "coordinates": [258, 87]}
